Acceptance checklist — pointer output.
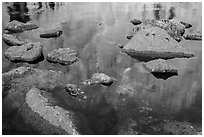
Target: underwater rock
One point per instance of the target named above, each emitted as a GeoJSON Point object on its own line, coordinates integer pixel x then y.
{"type": "Point", "coordinates": [179, 128]}
{"type": "Point", "coordinates": [187, 25]}
{"type": "Point", "coordinates": [64, 56]}
{"type": "Point", "coordinates": [28, 52]}
{"type": "Point", "coordinates": [42, 113]}
{"type": "Point", "coordinates": [154, 43]}
{"type": "Point", "coordinates": [135, 22]}
{"type": "Point", "coordinates": [75, 91]}
{"type": "Point", "coordinates": [99, 78]}
{"type": "Point", "coordinates": [16, 26]}
{"type": "Point", "coordinates": [12, 40]}
{"type": "Point", "coordinates": [161, 68]}
{"type": "Point", "coordinates": [193, 36]}
{"type": "Point", "coordinates": [173, 27]}
{"type": "Point", "coordinates": [51, 34]}
{"type": "Point", "coordinates": [19, 81]}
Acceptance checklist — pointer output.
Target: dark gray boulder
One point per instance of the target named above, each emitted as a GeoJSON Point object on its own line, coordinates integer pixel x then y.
{"type": "Point", "coordinates": [28, 52]}
{"type": "Point", "coordinates": [51, 34]}
{"type": "Point", "coordinates": [12, 40]}
{"type": "Point", "coordinates": [17, 27]}
{"type": "Point", "coordinates": [64, 56]}
{"type": "Point", "coordinates": [154, 43]}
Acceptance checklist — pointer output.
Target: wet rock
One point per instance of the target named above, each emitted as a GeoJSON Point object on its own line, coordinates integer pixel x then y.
{"type": "Point", "coordinates": [179, 128]}
{"type": "Point", "coordinates": [75, 91]}
{"type": "Point", "coordinates": [187, 25]}
{"type": "Point", "coordinates": [161, 68]}
{"type": "Point", "coordinates": [154, 43]}
{"type": "Point", "coordinates": [19, 81]}
{"type": "Point", "coordinates": [193, 36]}
{"type": "Point", "coordinates": [16, 26]}
{"type": "Point", "coordinates": [12, 40]}
{"type": "Point", "coordinates": [41, 112]}
{"type": "Point", "coordinates": [51, 34]}
{"type": "Point", "coordinates": [28, 52]}
{"type": "Point", "coordinates": [135, 22]}
{"type": "Point", "coordinates": [173, 27]}
{"type": "Point", "coordinates": [64, 56]}
{"type": "Point", "coordinates": [99, 78]}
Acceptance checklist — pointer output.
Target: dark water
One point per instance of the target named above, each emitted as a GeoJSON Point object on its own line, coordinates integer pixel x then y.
{"type": "Point", "coordinates": [91, 29]}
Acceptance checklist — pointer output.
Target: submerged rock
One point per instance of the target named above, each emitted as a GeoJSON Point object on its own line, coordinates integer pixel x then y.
{"type": "Point", "coordinates": [187, 25]}
{"type": "Point", "coordinates": [99, 78]}
{"type": "Point", "coordinates": [154, 43]}
{"type": "Point", "coordinates": [16, 26]}
{"type": "Point", "coordinates": [12, 40]}
{"type": "Point", "coordinates": [193, 36]}
{"type": "Point", "coordinates": [135, 22]}
{"type": "Point", "coordinates": [75, 91]}
{"type": "Point", "coordinates": [64, 56]}
{"type": "Point", "coordinates": [161, 68]}
{"type": "Point", "coordinates": [28, 52]}
{"type": "Point", "coordinates": [41, 112]}
{"type": "Point", "coordinates": [51, 34]}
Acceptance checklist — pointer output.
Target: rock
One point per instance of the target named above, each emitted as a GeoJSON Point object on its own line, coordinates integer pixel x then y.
{"type": "Point", "coordinates": [193, 36]}
{"type": "Point", "coordinates": [75, 91]}
{"type": "Point", "coordinates": [16, 26]}
{"type": "Point", "coordinates": [64, 56]}
{"type": "Point", "coordinates": [99, 78]}
{"type": "Point", "coordinates": [12, 40]}
{"type": "Point", "coordinates": [135, 22]}
{"type": "Point", "coordinates": [173, 27]}
{"type": "Point", "coordinates": [161, 68]}
{"type": "Point", "coordinates": [28, 52]}
{"type": "Point", "coordinates": [187, 25]}
{"type": "Point", "coordinates": [118, 45]}
{"type": "Point", "coordinates": [19, 81]}
{"type": "Point", "coordinates": [179, 128]}
{"type": "Point", "coordinates": [154, 43]}
{"type": "Point", "coordinates": [129, 36]}
{"type": "Point", "coordinates": [41, 112]}
{"type": "Point", "coordinates": [51, 34]}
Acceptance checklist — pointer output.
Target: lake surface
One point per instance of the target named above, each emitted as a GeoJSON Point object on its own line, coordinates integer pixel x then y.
{"type": "Point", "coordinates": [91, 29]}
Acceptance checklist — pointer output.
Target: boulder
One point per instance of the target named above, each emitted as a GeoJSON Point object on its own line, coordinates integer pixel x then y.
{"type": "Point", "coordinates": [12, 40]}
{"type": "Point", "coordinates": [161, 68]}
{"type": "Point", "coordinates": [41, 112]}
{"type": "Point", "coordinates": [16, 26]}
{"type": "Point", "coordinates": [64, 56]}
{"type": "Point", "coordinates": [99, 78]}
{"type": "Point", "coordinates": [154, 43]}
{"type": "Point", "coordinates": [193, 36]}
{"type": "Point", "coordinates": [51, 34]}
{"type": "Point", "coordinates": [75, 91]}
{"type": "Point", "coordinates": [28, 52]}
{"type": "Point", "coordinates": [135, 22]}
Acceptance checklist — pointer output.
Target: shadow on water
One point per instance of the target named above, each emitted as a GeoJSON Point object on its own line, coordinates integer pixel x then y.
{"type": "Point", "coordinates": [18, 11]}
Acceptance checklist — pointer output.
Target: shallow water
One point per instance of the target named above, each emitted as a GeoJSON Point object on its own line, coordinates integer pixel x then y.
{"type": "Point", "coordinates": [92, 29]}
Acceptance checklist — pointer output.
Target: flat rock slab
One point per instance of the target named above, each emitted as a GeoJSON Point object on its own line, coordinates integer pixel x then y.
{"type": "Point", "coordinates": [75, 91]}
{"type": "Point", "coordinates": [28, 52]}
{"type": "Point", "coordinates": [12, 40]}
{"type": "Point", "coordinates": [161, 68]}
{"type": "Point", "coordinates": [99, 78]}
{"type": "Point", "coordinates": [51, 34]}
{"type": "Point", "coordinates": [17, 27]}
{"type": "Point", "coordinates": [193, 36]}
{"type": "Point", "coordinates": [154, 43]}
{"type": "Point", "coordinates": [64, 56]}
{"type": "Point", "coordinates": [42, 113]}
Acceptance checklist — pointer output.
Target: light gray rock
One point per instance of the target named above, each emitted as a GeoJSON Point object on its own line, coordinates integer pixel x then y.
{"type": "Point", "coordinates": [51, 34]}
{"type": "Point", "coordinates": [12, 40]}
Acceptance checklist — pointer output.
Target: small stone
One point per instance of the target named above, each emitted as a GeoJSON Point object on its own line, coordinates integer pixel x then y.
{"type": "Point", "coordinates": [12, 40]}
{"type": "Point", "coordinates": [51, 34]}
{"type": "Point", "coordinates": [64, 56]}
{"type": "Point", "coordinates": [28, 52]}
{"type": "Point", "coordinates": [16, 26]}
{"type": "Point", "coordinates": [193, 36]}
{"type": "Point", "coordinates": [187, 25]}
{"type": "Point", "coordinates": [135, 22]}
{"type": "Point", "coordinates": [75, 91]}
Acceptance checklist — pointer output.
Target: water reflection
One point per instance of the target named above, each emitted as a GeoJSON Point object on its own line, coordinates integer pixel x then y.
{"type": "Point", "coordinates": [97, 53]}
